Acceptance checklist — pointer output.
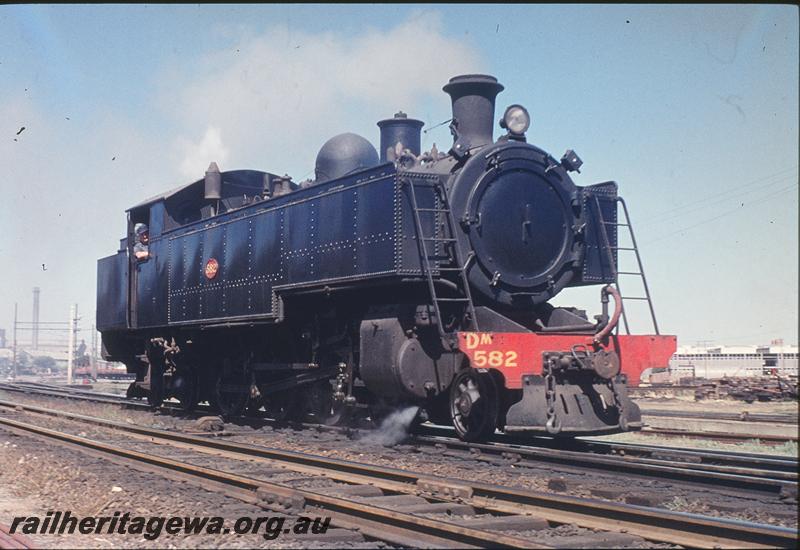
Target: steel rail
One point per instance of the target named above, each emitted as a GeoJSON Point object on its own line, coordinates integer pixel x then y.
{"type": "Point", "coordinates": [75, 388]}
{"type": "Point", "coordinates": [719, 436]}
{"type": "Point", "coordinates": [740, 478]}
{"type": "Point", "coordinates": [745, 416]}
{"type": "Point", "coordinates": [86, 395]}
{"type": "Point", "coordinates": [371, 520]}
{"type": "Point", "coordinates": [13, 541]}
{"type": "Point", "coordinates": [771, 480]}
{"type": "Point", "coordinates": [777, 463]}
{"type": "Point", "coordinates": [650, 523]}
{"type": "Point", "coordinates": [737, 459]}
{"type": "Point", "coordinates": [68, 394]}
{"type": "Point", "coordinates": [678, 464]}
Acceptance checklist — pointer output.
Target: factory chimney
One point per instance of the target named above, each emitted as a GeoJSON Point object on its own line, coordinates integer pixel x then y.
{"type": "Point", "coordinates": [35, 331]}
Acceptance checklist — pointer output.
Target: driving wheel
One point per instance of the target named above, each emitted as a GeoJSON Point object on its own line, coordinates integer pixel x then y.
{"type": "Point", "coordinates": [231, 389]}
{"type": "Point", "coordinates": [187, 390]}
{"type": "Point", "coordinates": [322, 407]}
{"type": "Point", "coordinates": [473, 405]}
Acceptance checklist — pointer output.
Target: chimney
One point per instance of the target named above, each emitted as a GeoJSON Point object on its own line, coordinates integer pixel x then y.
{"type": "Point", "coordinates": [473, 98]}
{"type": "Point", "coordinates": [213, 190]}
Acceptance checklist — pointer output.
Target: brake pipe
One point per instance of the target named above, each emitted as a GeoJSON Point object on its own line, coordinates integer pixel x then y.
{"type": "Point", "coordinates": [612, 323]}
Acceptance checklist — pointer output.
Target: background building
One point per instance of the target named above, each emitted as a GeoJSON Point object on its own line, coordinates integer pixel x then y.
{"type": "Point", "coordinates": [733, 361]}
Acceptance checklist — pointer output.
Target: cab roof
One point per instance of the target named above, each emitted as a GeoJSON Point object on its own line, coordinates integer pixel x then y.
{"type": "Point", "coordinates": [249, 179]}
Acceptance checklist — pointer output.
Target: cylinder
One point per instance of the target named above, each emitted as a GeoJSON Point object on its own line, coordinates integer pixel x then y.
{"type": "Point", "coordinates": [213, 182]}
{"type": "Point", "coordinates": [400, 129]}
{"type": "Point", "coordinates": [473, 98]}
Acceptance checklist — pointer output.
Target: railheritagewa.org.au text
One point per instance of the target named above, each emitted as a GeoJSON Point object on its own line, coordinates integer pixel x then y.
{"type": "Point", "coordinates": [152, 527]}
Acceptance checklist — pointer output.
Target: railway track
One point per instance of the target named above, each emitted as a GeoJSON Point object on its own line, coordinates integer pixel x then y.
{"type": "Point", "coordinates": [739, 473]}
{"type": "Point", "coordinates": [379, 523]}
{"type": "Point", "coordinates": [379, 516]}
{"type": "Point", "coordinates": [89, 395]}
{"type": "Point", "coordinates": [13, 541]}
{"type": "Point", "coordinates": [673, 465]}
{"type": "Point", "coordinates": [72, 393]}
{"type": "Point", "coordinates": [721, 436]}
{"type": "Point", "coordinates": [744, 416]}
{"type": "Point", "coordinates": [768, 429]}
{"type": "Point", "coordinates": [780, 463]}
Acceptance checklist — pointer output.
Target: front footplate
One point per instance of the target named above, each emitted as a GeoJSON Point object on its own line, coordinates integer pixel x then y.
{"type": "Point", "coordinates": [579, 408]}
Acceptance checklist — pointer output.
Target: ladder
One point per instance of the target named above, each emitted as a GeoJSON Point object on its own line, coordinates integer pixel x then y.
{"type": "Point", "coordinates": [634, 248]}
{"type": "Point", "coordinates": [458, 267]}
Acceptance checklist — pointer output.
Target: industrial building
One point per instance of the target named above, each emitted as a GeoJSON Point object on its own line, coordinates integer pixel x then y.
{"type": "Point", "coordinates": [733, 361]}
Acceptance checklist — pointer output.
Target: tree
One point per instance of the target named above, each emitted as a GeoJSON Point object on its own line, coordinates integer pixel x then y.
{"type": "Point", "coordinates": [44, 363]}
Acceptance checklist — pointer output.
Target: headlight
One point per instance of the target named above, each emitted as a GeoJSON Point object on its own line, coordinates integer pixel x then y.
{"type": "Point", "coordinates": [516, 120]}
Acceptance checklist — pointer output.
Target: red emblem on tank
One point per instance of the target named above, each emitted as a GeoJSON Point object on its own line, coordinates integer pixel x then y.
{"type": "Point", "coordinates": [212, 267]}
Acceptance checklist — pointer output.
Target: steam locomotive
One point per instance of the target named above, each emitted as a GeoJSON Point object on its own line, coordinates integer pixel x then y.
{"type": "Point", "coordinates": [394, 278]}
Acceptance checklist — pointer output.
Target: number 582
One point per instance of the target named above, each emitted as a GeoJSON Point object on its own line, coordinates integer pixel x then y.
{"type": "Point", "coordinates": [485, 358]}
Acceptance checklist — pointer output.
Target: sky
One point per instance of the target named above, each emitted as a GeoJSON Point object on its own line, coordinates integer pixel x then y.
{"type": "Point", "coordinates": [693, 110]}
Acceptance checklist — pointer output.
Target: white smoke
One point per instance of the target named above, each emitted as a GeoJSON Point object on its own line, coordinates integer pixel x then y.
{"type": "Point", "coordinates": [277, 96]}
{"type": "Point", "coordinates": [393, 429]}
{"type": "Point", "coordinates": [197, 156]}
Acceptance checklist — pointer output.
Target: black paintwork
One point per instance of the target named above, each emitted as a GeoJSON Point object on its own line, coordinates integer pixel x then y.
{"type": "Point", "coordinates": [522, 217]}
{"type": "Point", "coordinates": [352, 229]}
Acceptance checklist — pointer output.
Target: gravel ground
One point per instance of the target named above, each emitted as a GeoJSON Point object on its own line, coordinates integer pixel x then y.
{"type": "Point", "coordinates": [84, 491]}
{"type": "Point", "coordinates": [35, 480]}
{"type": "Point", "coordinates": [688, 404]}
{"type": "Point", "coordinates": [548, 478]}
{"type": "Point", "coordinates": [716, 405]}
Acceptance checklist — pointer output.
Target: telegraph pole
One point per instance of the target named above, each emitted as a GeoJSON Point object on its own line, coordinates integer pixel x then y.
{"type": "Point", "coordinates": [73, 313]}
{"type": "Point", "coordinates": [35, 335]}
{"type": "Point", "coordinates": [14, 359]}
{"type": "Point", "coordinates": [94, 353]}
